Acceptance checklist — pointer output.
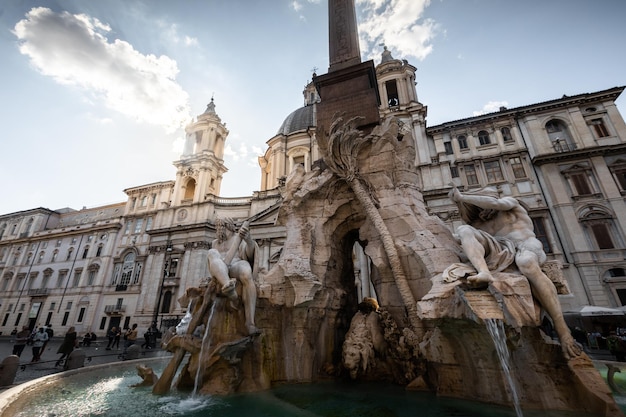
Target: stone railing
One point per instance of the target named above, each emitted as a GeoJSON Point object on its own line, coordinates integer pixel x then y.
{"type": "Point", "coordinates": [110, 309]}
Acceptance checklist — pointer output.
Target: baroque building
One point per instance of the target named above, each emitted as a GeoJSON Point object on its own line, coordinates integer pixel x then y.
{"type": "Point", "coordinates": [125, 263]}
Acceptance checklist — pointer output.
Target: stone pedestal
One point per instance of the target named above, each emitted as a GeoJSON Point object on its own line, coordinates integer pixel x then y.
{"type": "Point", "coordinates": [8, 370]}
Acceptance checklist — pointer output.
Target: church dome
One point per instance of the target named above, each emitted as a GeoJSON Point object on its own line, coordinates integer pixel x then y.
{"type": "Point", "coordinates": [300, 119]}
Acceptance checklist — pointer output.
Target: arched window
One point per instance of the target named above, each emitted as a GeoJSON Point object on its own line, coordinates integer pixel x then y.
{"type": "Point", "coordinates": [559, 136]}
{"type": "Point", "coordinates": [599, 225]}
{"type": "Point", "coordinates": [392, 93]}
{"type": "Point", "coordinates": [462, 141]}
{"type": "Point", "coordinates": [99, 250]}
{"type": "Point", "coordinates": [190, 189]}
{"type": "Point", "coordinates": [483, 138]}
{"type": "Point", "coordinates": [128, 267]}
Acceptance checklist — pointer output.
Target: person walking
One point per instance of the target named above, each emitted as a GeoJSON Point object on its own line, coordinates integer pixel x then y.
{"type": "Point", "coordinates": [116, 339]}
{"type": "Point", "coordinates": [111, 335]}
{"type": "Point", "coordinates": [39, 339]}
{"type": "Point", "coordinates": [68, 345]}
{"type": "Point", "coordinates": [20, 341]}
{"type": "Point", "coordinates": [130, 338]}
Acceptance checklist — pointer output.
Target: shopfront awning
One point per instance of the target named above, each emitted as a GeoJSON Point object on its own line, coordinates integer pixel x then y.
{"type": "Point", "coordinates": [594, 311]}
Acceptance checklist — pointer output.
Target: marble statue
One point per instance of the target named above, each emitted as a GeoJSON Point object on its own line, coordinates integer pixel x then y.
{"type": "Point", "coordinates": [498, 232]}
{"type": "Point", "coordinates": [232, 257]}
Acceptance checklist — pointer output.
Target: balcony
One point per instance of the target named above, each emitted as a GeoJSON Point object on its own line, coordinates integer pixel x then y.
{"type": "Point", "coordinates": [38, 292]}
{"type": "Point", "coordinates": [114, 309]}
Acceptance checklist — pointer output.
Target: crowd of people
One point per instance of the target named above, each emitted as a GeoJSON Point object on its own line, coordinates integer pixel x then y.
{"type": "Point", "coordinates": [39, 337]}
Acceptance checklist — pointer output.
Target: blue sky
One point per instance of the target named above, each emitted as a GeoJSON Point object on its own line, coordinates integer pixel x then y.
{"type": "Point", "coordinates": [95, 93]}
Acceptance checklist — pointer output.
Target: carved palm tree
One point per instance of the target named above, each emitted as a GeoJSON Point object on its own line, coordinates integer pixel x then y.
{"type": "Point", "coordinates": [341, 150]}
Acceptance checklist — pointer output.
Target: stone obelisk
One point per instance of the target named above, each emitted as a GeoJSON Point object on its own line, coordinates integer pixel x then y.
{"type": "Point", "coordinates": [350, 87]}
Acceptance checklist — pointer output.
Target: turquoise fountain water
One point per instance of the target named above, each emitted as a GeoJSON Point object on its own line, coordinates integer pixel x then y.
{"type": "Point", "coordinates": [107, 392]}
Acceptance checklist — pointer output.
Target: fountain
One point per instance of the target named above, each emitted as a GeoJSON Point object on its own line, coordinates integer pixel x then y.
{"type": "Point", "coordinates": [250, 335]}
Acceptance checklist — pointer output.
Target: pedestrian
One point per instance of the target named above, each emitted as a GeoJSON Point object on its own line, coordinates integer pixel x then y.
{"type": "Point", "coordinates": [20, 341]}
{"type": "Point", "coordinates": [50, 334]}
{"type": "Point", "coordinates": [39, 339]}
{"type": "Point", "coordinates": [116, 340]}
{"type": "Point", "coordinates": [68, 345]}
{"type": "Point", "coordinates": [130, 338]}
{"type": "Point", "coordinates": [87, 340]}
{"type": "Point", "coordinates": [111, 335]}
{"type": "Point", "coordinates": [147, 339]}
{"type": "Point", "coordinates": [13, 333]}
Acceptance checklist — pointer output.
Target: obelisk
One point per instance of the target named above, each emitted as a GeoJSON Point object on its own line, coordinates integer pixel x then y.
{"type": "Point", "coordinates": [350, 87]}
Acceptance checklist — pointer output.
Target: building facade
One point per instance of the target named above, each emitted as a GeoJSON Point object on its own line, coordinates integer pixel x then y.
{"type": "Point", "coordinates": [125, 263]}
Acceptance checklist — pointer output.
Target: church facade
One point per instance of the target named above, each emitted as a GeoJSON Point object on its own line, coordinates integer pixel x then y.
{"type": "Point", "coordinates": [126, 263]}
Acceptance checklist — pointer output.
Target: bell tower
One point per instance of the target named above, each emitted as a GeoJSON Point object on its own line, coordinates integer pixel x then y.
{"type": "Point", "coordinates": [201, 166]}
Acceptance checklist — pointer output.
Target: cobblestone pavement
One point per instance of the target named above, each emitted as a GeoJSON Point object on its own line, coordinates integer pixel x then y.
{"type": "Point", "coordinates": [96, 354]}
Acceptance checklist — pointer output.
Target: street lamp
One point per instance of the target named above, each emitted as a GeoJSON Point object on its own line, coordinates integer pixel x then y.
{"type": "Point", "coordinates": [168, 250]}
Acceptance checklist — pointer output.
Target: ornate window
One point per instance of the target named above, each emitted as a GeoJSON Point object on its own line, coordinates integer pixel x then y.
{"type": "Point", "coordinates": [493, 171]}
{"type": "Point", "coordinates": [539, 226]}
{"type": "Point", "coordinates": [559, 136]}
{"type": "Point", "coordinates": [138, 225]}
{"type": "Point", "coordinates": [448, 148]}
{"type": "Point", "coordinates": [190, 189]}
{"type": "Point", "coordinates": [506, 134]}
{"type": "Point", "coordinates": [618, 171]}
{"type": "Point", "coordinates": [471, 175]}
{"type": "Point", "coordinates": [69, 254]}
{"type": "Point", "coordinates": [518, 167]}
{"type": "Point", "coordinates": [598, 127]}
{"type": "Point", "coordinates": [483, 138]}
{"type": "Point", "coordinates": [91, 274]}
{"type": "Point", "coordinates": [462, 141]}
{"type": "Point", "coordinates": [600, 226]}
{"type": "Point", "coordinates": [128, 271]}
{"type": "Point", "coordinates": [85, 251]}
{"type": "Point", "coordinates": [581, 180]}
{"type": "Point", "coordinates": [454, 172]}
{"type": "Point", "coordinates": [77, 275]}
{"type": "Point", "coordinates": [392, 93]}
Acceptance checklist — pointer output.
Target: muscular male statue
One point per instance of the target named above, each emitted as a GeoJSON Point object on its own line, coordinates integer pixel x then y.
{"type": "Point", "coordinates": [232, 257]}
{"type": "Point", "coordinates": [498, 232]}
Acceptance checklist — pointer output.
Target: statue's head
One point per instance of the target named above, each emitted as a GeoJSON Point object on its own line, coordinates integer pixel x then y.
{"type": "Point", "coordinates": [223, 226]}
{"type": "Point", "coordinates": [470, 213]}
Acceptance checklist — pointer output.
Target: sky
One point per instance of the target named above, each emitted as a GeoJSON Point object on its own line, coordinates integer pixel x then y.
{"type": "Point", "coordinates": [95, 94]}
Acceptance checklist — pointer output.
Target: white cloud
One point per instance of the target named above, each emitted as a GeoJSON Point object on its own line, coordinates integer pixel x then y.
{"type": "Point", "coordinates": [74, 50]}
{"type": "Point", "coordinates": [189, 41]}
{"type": "Point", "coordinates": [296, 6]}
{"type": "Point", "coordinates": [399, 24]}
{"type": "Point", "coordinates": [490, 107]}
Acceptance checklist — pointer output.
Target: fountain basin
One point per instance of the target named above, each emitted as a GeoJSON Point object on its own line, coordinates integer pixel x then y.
{"type": "Point", "coordinates": [105, 390]}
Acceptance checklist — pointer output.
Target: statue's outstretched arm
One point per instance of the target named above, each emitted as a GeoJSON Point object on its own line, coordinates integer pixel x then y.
{"type": "Point", "coordinates": [484, 201]}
